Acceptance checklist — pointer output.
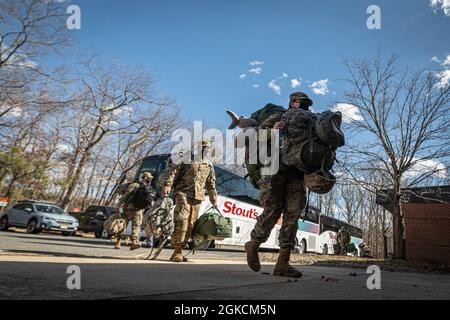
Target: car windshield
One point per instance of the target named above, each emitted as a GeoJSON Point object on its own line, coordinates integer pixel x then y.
{"type": "Point", "coordinates": [49, 209]}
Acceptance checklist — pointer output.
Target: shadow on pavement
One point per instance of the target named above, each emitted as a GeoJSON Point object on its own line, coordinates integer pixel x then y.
{"type": "Point", "coordinates": [70, 255]}
{"type": "Point", "coordinates": [100, 242]}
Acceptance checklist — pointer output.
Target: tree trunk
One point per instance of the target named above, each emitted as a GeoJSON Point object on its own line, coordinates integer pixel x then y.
{"type": "Point", "coordinates": [75, 179]}
{"type": "Point", "coordinates": [398, 228]}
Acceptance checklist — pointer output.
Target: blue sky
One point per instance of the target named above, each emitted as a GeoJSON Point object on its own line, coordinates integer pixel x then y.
{"type": "Point", "coordinates": [196, 50]}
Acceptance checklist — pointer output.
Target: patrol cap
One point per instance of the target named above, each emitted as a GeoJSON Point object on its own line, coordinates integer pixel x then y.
{"type": "Point", "coordinates": [147, 175]}
{"type": "Point", "coordinates": [302, 98]}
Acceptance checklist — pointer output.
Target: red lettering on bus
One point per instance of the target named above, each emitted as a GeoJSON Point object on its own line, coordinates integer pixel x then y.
{"type": "Point", "coordinates": [230, 207]}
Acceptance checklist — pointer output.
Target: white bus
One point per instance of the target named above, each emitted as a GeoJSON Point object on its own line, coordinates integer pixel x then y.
{"type": "Point", "coordinates": [239, 200]}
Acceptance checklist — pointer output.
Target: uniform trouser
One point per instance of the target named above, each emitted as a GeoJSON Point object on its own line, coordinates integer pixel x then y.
{"type": "Point", "coordinates": [284, 195]}
{"type": "Point", "coordinates": [185, 215]}
{"type": "Point", "coordinates": [135, 216]}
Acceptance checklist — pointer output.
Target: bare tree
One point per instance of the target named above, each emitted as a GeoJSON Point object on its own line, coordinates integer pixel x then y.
{"type": "Point", "coordinates": [114, 101]}
{"type": "Point", "coordinates": [30, 29]}
{"type": "Point", "coordinates": [402, 124]}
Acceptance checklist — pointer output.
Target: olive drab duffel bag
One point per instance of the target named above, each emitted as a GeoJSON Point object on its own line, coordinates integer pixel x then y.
{"type": "Point", "coordinates": [261, 115]}
{"type": "Point", "coordinates": [212, 225]}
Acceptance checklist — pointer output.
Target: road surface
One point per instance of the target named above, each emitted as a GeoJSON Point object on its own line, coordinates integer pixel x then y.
{"type": "Point", "coordinates": [35, 267]}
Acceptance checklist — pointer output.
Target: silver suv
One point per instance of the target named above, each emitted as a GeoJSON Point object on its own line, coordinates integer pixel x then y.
{"type": "Point", "coordinates": [37, 216]}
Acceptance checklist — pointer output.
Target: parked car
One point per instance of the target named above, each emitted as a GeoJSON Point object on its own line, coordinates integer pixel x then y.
{"type": "Point", "coordinates": [37, 216]}
{"type": "Point", "coordinates": [93, 218]}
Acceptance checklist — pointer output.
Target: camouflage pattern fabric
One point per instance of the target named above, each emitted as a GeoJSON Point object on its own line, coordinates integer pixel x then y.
{"type": "Point", "coordinates": [189, 182]}
{"type": "Point", "coordinates": [185, 215]}
{"type": "Point", "coordinates": [192, 180]}
{"type": "Point", "coordinates": [115, 225]}
{"type": "Point", "coordinates": [158, 221]}
{"type": "Point", "coordinates": [285, 196]}
{"type": "Point", "coordinates": [135, 216]}
{"type": "Point", "coordinates": [343, 238]}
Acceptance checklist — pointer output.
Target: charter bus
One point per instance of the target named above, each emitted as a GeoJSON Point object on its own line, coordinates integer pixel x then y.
{"type": "Point", "coordinates": [239, 200]}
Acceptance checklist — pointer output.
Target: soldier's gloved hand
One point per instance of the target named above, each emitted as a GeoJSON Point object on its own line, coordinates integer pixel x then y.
{"type": "Point", "coordinates": [278, 125]}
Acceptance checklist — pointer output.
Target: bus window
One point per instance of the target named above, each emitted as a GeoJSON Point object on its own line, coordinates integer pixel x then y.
{"type": "Point", "coordinates": [312, 215]}
{"type": "Point", "coordinates": [232, 185]}
{"type": "Point", "coordinates": [148, 165]}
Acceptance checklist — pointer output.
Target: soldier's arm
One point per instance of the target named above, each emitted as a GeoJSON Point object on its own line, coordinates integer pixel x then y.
{"type": "Point", "coordinates": [211, 187]}
{"type": "Point", "coordinates": [168, 178]}
{"type": "Point", "coordinates": [270, 122]}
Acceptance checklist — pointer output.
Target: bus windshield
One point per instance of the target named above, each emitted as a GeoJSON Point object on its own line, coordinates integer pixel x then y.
{"type": "Point", "coordinates": [228, 183]}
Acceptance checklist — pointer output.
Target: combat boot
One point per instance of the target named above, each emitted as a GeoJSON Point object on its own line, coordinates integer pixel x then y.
{"type": "Point", "coordinates": [135, 245]}
{"type": "Point", "coordinates": [177, 255]}
{"type": "Point", "coordinates": [283, 268]}
{"type": "Point", "coordinates": [252, 248]}
{"type": "Point", "coordinates": [117, 243]}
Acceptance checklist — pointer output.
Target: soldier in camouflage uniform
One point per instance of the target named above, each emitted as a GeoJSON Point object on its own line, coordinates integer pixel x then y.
{"type": "Point", "coordinates": [189, 183]}
{"type": "Point", "coordinates": [343, 239]}
{"type": "Point", "coordinates": [282, 194]}
{"type": "Point", "coordinates": [131, 213]}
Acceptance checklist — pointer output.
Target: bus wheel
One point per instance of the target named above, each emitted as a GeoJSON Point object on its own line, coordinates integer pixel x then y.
{"type": "Point", "coordinates": [325, 250]}
{"type": "Point", "coordinates": [301, 248]}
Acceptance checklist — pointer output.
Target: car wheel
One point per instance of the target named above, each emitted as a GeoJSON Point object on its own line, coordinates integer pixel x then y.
{"type": "Point", "coordinates": [104, 234]}
{"type": "Point", "coordinates": [32, 227]}
{"type": "Point", "coordinates": [325, 250]}
{"type": "Point", "coordinates": [68, 234]}
{"type": "Point", "coordinates": [98, 235]}
{"type": "Point", "coordinates": [4, 224]}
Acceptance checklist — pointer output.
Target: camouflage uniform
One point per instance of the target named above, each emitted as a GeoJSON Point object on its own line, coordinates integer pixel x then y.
{"type": "Point", "coordinates": [132, 214]}
{"type": "Point", "coordinates": [284, 194]}
{"type": "Point", "coordinates": [189, 182]}
{"type": "Point", "coordinates": [343, 239]}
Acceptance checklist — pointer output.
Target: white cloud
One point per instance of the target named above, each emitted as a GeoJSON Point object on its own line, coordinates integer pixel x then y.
{"type": "Point", "coordinates": [62, 147]}
{"type": "Point", "coordinates": [242, 76]}
{"type": "Point", "coordinates": [444, 78]}
{"type": "Point", "coordinates": [275, 87]}
{"type": "Point", "coordinates": [295, 83]}
{"type": "Point", "coordinates": [16, 112]}
{"type": "Point", "coordinates": [256, 63]}
{"type": "Point", "coordinates": [255, 85]}
{"type": "Point", "coordinates": [444, 5]}
{"type": "Point", "coordinates": [285, 75]}
{"type": "Point", "coordinates": [349, 112]}
{"type": "Point", "coordinates": [17, 59]}
{"type": "Point", "coordinates": [425, 166]}
{"type": "Point", "coordinates": [447, 61]}
{"type": "Point", "coordinates": [255, 70]}
{"type": "Point", "coordinates": [119, 111]}
{"type": "Point", "coordinates": [435, 59]}
{"type": "Point", "coordinates": [320, 87]}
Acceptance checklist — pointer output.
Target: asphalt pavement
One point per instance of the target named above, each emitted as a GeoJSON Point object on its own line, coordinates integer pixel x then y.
{"type": "Point", "coordinates": [35, 267]}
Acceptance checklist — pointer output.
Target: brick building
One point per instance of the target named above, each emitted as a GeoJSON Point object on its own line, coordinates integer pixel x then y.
{"type": "Point", "coordinates": [427, 223]}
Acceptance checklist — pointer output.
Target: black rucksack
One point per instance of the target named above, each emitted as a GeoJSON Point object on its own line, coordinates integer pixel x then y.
{"type": "Point", "coordinates": [311, 139]}
{"type": "Point", "coordinates": [142, 197]}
